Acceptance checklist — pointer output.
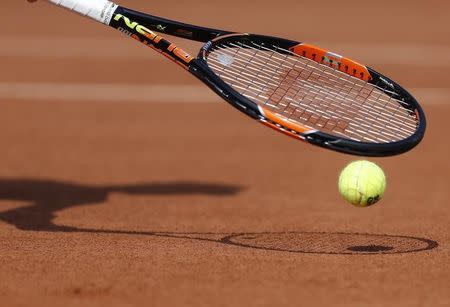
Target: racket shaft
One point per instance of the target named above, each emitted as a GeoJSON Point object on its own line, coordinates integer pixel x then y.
{"type": "Point", "coordinates": [98, 10]}
{"type": "Point", "coordinates": [104, 11]}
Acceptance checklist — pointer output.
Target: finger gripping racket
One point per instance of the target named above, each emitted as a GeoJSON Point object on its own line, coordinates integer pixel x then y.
{"type": "Point", "coordinates": [298, 89]}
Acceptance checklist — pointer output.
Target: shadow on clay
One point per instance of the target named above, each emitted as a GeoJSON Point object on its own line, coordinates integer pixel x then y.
{"type": "Point", "coordinates": [48, 197]}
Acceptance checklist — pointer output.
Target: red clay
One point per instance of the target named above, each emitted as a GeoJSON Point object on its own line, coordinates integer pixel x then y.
{"type": "Point", "coordinates": [126, 204]}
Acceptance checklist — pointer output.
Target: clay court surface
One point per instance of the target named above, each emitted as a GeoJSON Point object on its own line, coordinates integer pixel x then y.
{"type": "Point", "coordinates": [126, 182]}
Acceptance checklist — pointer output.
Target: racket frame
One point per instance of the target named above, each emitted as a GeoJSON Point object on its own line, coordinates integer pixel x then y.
{"type": "Point", "coordinates": [142, 27]}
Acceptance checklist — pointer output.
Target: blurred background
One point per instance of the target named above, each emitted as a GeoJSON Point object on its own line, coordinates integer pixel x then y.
{"type": "Point", "coordinates": [84, 110]}
{"type": "Point", "coordinates": [408, 40]}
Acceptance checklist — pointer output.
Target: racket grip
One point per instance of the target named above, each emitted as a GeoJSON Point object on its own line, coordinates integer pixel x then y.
{"type": "Point", "coordinates": [99, 10]}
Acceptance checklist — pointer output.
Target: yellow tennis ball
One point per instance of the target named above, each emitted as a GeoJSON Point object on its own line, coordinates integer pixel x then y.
{"type": "Point", "coordinates": [362, 183]}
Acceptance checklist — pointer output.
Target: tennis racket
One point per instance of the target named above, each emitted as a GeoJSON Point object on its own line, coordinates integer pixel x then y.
{"type": "Point", "coordinates": [303, 91]}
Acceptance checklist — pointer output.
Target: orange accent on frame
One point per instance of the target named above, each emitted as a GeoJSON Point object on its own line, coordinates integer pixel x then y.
{"type": "Point", "coordinates": [182, 55]}
{"type": "Point", "coordinates": [417, 115]}
{"type": "Point", "coordinates": [167, 56]}
{"type": "Point", "coordinates": [171, 47]}
{"type": "Point", "coordinates": [152, 36]}
{"type": "Point", "coordinates": [286, 132]}
{"type": "Point", "coordinates": [336, 61]}
{"type": "Point", "coordinates": [284, 122]}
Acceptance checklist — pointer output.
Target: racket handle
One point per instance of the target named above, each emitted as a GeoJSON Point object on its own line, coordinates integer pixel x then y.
{"type": "Point", "coordinates": [99, 10]}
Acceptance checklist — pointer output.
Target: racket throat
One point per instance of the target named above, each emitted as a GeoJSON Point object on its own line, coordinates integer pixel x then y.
{"type": "Point", "coordinates": [204, 74]}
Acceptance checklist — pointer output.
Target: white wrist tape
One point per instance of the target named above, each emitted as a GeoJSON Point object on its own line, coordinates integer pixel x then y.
{"type": "Point", "coordinates": [99, 10]}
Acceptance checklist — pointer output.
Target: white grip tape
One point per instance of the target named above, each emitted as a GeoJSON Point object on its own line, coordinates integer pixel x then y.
{"type": "Point", "coordinates": [99, 10]}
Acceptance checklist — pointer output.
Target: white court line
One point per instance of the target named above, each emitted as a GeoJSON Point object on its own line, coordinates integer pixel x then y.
{"type": "Point", "coordinates": [107, 92]}
{"type": "Point", "coordinates": [76, 47]}
{"type": "Point", "coordinates": [121, 48]}
{"type": "Point", "coordinates": [165, 93]}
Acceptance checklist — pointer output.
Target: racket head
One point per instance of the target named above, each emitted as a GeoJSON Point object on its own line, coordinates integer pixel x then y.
{"type": "Point", "coordinates": [312, 94]}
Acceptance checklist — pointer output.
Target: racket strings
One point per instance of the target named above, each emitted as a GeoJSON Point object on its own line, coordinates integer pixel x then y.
{"type": "Point", "coordinates": [312, 94]}
{"type": "Point", "coordinates": [351, 89]}
{"type": "Point", "coordinates": [311, 114]}
{"type": "Point", "coordinates": [320, 71]}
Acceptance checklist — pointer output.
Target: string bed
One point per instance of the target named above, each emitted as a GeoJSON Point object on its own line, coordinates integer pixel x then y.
{"type": "Point", "coordinates": [312, 94]}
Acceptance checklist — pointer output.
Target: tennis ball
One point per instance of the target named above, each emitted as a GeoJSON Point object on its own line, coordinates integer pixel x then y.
{"type": "Point", "coordinates": [362, 183]}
